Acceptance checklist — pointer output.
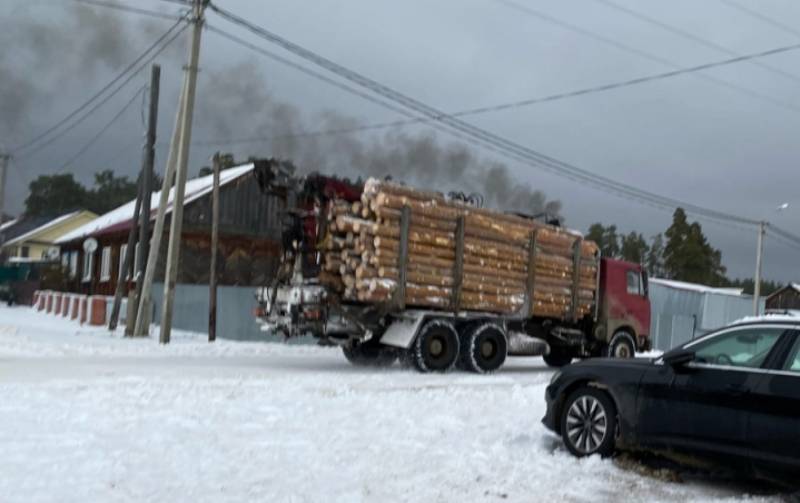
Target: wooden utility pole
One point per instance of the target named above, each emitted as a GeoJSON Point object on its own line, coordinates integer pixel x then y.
{"type": "Point", "coordinates": [126, 258]}
{"type": "Point", "coordinates": [212, 278]}
{"type": "Point", "coordinates": [4, 158]}
{"type": "Point", "coordinates": [176, 223]}
{"type": "Point", "coordinates": [142, 314]}
{"type": "Point", "coordinates": [147, 194]}
{"type": "Point", "coordinates": [762, 229]}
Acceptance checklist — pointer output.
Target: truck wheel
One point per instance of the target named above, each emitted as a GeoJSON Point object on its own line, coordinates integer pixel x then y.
{"type": "Point", "coordinates": [369, 354]}
{"type": "Point", "coordinates": [588, 423]}
{"type": "Point", "coordinates": [557, 357]}
{"type": "Point", "coordinates": [484, 348]}
{"type": "Point", "coordinates": [436, 347]}
{"type": "Point", "coordinates": [621, 346]}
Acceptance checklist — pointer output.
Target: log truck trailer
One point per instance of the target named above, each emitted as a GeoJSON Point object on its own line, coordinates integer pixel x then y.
{"type": "Point", "coordinates": [297, 303]}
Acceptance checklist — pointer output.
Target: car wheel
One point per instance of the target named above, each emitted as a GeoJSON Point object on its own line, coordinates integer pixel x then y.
{"type": "Point", "coordinates": [483, 348]}
{"type": "Point", "coordinates": [369, 354]}
{"type": "Point", "coordinates": [436, 347]}
{"type": "Point", "coordinates": [557, 357]}
{"type": "Point", "coordinates": [588, 423]}
{"type": "Point", "coordinates": [621, 346]}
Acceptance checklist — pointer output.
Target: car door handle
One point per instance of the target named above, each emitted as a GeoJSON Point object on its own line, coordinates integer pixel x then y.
{"type": "Point", "coordinates": [737, 390]}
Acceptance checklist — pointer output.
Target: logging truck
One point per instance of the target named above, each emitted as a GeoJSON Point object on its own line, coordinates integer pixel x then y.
{"type": "Point", "coordinates": [390, 272]}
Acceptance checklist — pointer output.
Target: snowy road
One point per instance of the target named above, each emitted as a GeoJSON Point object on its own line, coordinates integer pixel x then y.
{"type": "Point", "coordinates": [90, 417]}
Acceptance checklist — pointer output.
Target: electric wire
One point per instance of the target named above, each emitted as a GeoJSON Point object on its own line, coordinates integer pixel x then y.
{"type": "Point", "coordinates": [134, 10]}
{"type": "Point", "coordinates": [694, 38]}
{"type": "Point", "coordinates": [542, 16]}
{"type": "Point", "coordinates": [502, 145]}
{"type": "Point", "coordinates": [762, 17]}
{"type": "Point", "coordinates": [100, 133]}
{"type": "Point", "coordinates": [39, 142]}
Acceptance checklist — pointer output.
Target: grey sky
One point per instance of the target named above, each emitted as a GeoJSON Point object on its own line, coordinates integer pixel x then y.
{"type": "Point", "coordinates": [684, 137]}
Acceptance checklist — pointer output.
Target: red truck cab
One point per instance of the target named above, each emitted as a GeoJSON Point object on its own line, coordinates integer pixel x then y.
{"type": "Point", "coordinates": [623, 320]}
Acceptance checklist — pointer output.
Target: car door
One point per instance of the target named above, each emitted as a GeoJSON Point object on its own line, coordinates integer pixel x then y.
{"type": "Point", "coordinates": [702, 407]}
{"type": "Point", "coordinates": [774, 430]}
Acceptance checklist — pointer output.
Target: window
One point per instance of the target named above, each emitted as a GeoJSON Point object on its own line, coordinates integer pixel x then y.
{"type": "Point", "coordinates": [122, 249]}
{"type": "Point", "coordinates": [88, 264]}
{"type": "Point", "coordinates": [634, 279]}
{"type": "Point", "coordinates": [25, 251]}
{"type": "Point", "coordinates": [793, 362]}
{"type": "Point", "coordinates": [105, 264]}
{"type": "Point", "coordinates": [65, 260]}
{"type": "Point", "coordinates": [746, 347]}
{"type": "Point", "coordinates": [73, 264]}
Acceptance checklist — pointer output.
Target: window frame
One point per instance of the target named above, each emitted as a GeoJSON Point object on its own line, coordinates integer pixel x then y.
{"type": "Point", "coordinates": [105, 264]}
{"type": "Point", "coordinates": [73, 264]}
{"type": "Point", "coordinates": [639, 287]}
{"type": "Point", "coordinates": [88, 267]}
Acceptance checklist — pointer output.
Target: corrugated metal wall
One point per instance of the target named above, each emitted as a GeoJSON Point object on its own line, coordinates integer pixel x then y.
{"type": "Point", "coordinates": [235, 306]}
{"type": "Point", "coordinates": [679, 315]}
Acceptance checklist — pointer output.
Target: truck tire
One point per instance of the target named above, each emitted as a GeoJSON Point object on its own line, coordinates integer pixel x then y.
{"type": "Point", "coordinates": [436, 347]}
{"type": "Point", "coordinates": [483, 348]}
{"type": "Point", "coordinates": [621, 346]}
{"type": "Point", "coordinates": [369, 354]}
{"type": "Point", "coordinates": [557, 357]}
{"type": "Point", "coordinates": [589, 423]}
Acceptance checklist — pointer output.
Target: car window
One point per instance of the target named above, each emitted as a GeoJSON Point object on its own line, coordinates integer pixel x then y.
{"type": "Point", "coordinates": [793, 362]}
{"type": "Point", "coordinates": [634, 283]}
{"type": "Point", "coordinates": [747, 347]}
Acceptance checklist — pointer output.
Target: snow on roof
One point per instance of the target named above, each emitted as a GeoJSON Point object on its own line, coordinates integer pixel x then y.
{"type": "Point", "coordinates": [8, 223]}
{"type": "Point", "coordinates": [195, 189]}
{"type": "Point", "coordinates": [792, 316]}
{"type": "Point", "coordinates": [695, 287]}
{"type": "Point", "coordinates": [41, 228]}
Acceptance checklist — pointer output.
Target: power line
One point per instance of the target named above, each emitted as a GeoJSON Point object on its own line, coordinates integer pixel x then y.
{"type": "Point", "coordinates": [762, 17]}
{"type": "Point", "coordinates": [102, 130]}
{"type": "Point", "coordinates": [690, 36]}
{"type": "Point", "coordinates": [128, 70]}
{"type": "Point", "coordinates": [483, 137]}
{"type": "Point", "coordinates": [519, 103]}
{"type": "Point", "coordinates": [134, 10]}
{"type": "Point", "coordinates": [525, 9]}
{"type": "Point", "coordinates": [784, 234]}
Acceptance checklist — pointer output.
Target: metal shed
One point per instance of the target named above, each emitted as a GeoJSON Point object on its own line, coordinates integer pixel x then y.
{"type": "Point", "coordinates": [682, 311]}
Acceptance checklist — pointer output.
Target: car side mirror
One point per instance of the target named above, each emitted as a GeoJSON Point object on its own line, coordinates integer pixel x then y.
{"type": "Point", "coordinates": [678, 357]}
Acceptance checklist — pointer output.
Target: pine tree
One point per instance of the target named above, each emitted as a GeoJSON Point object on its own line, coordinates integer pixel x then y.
{"type": "Point", "coordinates": [634, 248]}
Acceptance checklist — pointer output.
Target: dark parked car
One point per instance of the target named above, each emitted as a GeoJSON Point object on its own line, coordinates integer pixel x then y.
{"type": "Point", "coordinates": [730, 399]}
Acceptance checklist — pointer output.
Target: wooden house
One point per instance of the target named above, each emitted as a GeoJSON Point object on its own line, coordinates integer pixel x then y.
{"type": "Point", "coordinates": [249, 239]}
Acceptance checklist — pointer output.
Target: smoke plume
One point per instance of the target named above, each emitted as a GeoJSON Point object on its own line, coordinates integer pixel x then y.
{"type": "Point", "coordinates": [236, 104]}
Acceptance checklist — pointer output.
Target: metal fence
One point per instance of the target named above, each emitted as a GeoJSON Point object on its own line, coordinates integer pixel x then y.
{"type": "Point", "coordinates": [679, 315]}
{"type": "Point", "coordinates": [235, 305]}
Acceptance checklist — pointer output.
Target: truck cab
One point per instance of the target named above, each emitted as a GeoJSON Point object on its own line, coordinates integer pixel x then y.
{"type": "Point", "coordinates": [623, 319]}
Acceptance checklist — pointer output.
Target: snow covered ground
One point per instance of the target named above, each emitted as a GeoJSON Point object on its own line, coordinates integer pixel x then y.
{"type": "Point", "coordinates": [90, 416]}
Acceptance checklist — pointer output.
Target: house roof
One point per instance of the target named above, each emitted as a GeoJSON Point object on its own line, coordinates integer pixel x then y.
{"type": "Point", "coordinates": [22, 225]}
{"type": "Point", "coordinates": [37, 226]}
{"type": "Point", "coordinates": [695, 287]}
{"type": "Point", "coordinates": [121, 217]}
{"type": "Point", "coordinates": [790, 286]}
{"type": "Point", "coordinates": [8, 223]}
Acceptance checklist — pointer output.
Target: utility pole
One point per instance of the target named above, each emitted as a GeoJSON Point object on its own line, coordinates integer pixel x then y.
{"type": "Point", "coordinates": [122, 277]}
{"type": "Point", "coordinates": [212, 279]}
{"type": "Point", "coordinates": [4, 158]}
{"type": "Point", "coordinates": [147, 194]}
{"type": "Point", "coordinates": [143, 315]}
{"type": "Point", "coordinates": [176, 223]}
{"type": "Point", "coordinates": [762, 229]}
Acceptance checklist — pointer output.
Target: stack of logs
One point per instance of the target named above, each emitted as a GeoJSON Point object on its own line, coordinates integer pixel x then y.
{"type": "Point", "coordinates": [502, 257]}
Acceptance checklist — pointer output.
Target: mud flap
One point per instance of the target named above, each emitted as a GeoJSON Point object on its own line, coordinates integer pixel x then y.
{"type": "Point", "coordinates": [402, 331]}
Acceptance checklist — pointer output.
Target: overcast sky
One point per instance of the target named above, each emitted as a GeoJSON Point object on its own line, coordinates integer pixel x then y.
{"type": "Point", "coordinates": [729, 143]}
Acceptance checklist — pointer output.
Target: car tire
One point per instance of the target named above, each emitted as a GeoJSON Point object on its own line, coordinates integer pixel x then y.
{"type": "Point", "coordinates": [621, 345]}
{"type": "Point", "coordinates": [589, 423]}
{"type": "Point", "coordinates": [369, 354]}
{"type": "Point", "coordinates": [436, 347]}
{"type": "Point", "coordinates": [557, 357]}
{"type": "Point", "coordinates": [483, 348]}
